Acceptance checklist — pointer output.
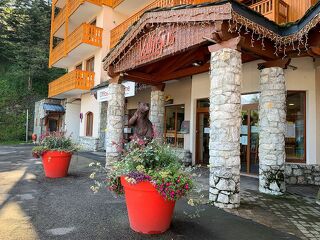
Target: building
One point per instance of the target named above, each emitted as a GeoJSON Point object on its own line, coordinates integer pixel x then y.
{"type": "Point", "coordinates": [224, 80]}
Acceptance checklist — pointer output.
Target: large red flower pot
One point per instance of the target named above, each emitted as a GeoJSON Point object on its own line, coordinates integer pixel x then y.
{"type": "Point", "coordinates": [56, 163]}
{"type": "Point", "coordinates": [148, 211]}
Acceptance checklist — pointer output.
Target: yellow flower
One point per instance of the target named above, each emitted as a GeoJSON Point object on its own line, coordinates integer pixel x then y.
{"type": "Point", "coordinates": [140, 168]}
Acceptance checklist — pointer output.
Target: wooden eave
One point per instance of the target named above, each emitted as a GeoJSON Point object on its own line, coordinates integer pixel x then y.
{"type": "Point", "coordinates": [221, 21]}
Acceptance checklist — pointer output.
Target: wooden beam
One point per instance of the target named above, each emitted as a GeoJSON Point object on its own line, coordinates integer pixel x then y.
{"type": "Point", "coordinates": [116, 79]}
{"type": "Point", "coordinates": [185, 72]}
{"type": "Point", "coordinates": [141, 75]}
{"type": "Point", "coordinates": [314, 51]}
{"type": "Point", "coordinates": [267, 53]}
{"type": "Point", "coordinates": [282, 63]}
{"type": "Point", "coordinates": [232, 43]}
{"type": "Point", "coordinates": [159, 87]}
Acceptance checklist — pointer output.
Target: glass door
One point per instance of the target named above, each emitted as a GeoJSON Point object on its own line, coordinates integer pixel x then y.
{"type": "Point", "coordinates": [249, 139]}
{"type": "Point", "coordinates": [202, 132]}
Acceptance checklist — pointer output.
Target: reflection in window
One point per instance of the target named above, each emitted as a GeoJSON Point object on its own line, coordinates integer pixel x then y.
{"type": "Point", "coordinates": [250, 98]}
{"type": "Point", "coordinates": [174, 118]}
{"type": "Point", "coordinates": [295, 136]}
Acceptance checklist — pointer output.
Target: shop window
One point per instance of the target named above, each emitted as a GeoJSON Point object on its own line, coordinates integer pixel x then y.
{"type": "Point", "coordinates": [89, 124]}
{"type": "Point", "coordinates": [296, 126]}
{"type": "Point", "coordinates": [90, 65]}
{"type": "Point", "coordinates": [173, 120]}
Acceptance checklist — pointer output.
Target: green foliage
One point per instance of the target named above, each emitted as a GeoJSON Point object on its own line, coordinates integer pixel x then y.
{"type": "Point", "coordinates": [55, 141]}
{"type": "Point", "coordinates": [24, 72]}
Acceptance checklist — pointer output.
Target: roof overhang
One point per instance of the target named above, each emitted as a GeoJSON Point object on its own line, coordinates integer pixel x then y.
{"type": "Point", "coordinates": [162, 33]}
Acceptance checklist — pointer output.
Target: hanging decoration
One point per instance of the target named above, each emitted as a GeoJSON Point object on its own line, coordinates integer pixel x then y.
{"type": "Point", "coordinates": [160, 34]}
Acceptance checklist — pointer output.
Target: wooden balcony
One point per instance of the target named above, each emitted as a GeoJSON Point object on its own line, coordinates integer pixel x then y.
{"type": "Point", "coordinates": [118, 31]}
{"type": "Point", "coordinates": [76, 11]}
{"type": "Point", "coordinates": [85, 39]}
{"type": "Point", "coordinates": [275, 10]}
{"type": "Point", "coordinates": [72, 83]}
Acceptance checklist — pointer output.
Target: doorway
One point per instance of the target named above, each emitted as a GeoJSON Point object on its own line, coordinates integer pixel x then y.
{"type": "Point", "coordinates": [202, 132]}
{"type": "Point", "coordinates": [249, 139]}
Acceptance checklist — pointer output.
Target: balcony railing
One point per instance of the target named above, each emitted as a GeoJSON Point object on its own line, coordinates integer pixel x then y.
{"type": "Point", "coordinates": [85, 33]}
{"type": "Point", "coordinates": [275, 10]}
{"type": "Point", "coordinates": [75, 80]}
{"type": "Point", "coordinates": [118, 31]}
{"type": "Point", "coordinates": [70, 8]}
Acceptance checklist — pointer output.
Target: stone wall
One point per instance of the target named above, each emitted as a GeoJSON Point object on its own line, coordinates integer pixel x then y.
{"type": "Point", "coordinates": [272, 122]}
{"type": "Point", "coordinates": [88, 143]}
{"type": "Point", "coordinates": [302, 174]}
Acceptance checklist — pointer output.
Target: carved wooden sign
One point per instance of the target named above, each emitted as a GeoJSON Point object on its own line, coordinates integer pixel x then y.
{"type": "Point", "coordinates": [161, 42]}
{"type": "Point", "coordinates": [153, 45]}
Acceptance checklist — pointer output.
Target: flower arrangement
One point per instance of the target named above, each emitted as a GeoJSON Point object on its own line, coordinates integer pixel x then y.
{"type": "Point", "coordinates": [54, 141]}
{"type": "Point", "coordinates": [154, 162]}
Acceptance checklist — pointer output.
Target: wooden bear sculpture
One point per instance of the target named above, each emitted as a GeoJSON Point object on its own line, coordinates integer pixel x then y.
{"type": "Point", "coordinates": [140, 121]}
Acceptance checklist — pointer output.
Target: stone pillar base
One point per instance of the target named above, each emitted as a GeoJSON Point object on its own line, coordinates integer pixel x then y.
{"type": "Point", "coordinates": [271, 180]}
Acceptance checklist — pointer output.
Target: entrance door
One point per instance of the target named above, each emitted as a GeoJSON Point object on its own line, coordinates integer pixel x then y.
{"type": "Point", "coordinates": [53, 125]}
{"type": "Point", "coordinates": [202, 132]}
{"type": "Point", "coordinates": [249, 139]}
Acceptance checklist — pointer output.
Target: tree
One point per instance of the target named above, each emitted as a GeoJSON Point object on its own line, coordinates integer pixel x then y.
{"type": "Point", "coordinates": [24, 53]}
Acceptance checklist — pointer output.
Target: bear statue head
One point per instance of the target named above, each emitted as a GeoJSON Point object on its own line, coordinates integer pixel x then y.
{"type": "Point", "coordinates": [143, 108]}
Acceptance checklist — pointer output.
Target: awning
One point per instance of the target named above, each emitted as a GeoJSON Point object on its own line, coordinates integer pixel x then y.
{"type": "Point", "coordinates": [53, 108]}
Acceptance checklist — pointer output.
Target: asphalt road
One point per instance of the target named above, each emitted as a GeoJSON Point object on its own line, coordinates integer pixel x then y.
{"type": "Point", "coordinates": [35, 207]}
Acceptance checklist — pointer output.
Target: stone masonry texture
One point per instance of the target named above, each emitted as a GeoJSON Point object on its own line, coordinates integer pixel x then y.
{"type": "Point", "coordinates": [272, 123]}
{"type": "Point", "coordinates": [225, 120]}
{"type": "Point", "coordinates": [115, 122]}
{"type": "Point", "coordinates": [302, 174]}
{"type": "Point", "coordinates": [157, 112]}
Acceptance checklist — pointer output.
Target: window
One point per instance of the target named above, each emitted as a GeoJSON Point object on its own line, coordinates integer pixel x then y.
{"type": "Point", "coordinates": [173, 120]}
{"type": "Point", "coordinates": [89, 124]}
{"type": "Point", "coordinates": [93, 22]}
{"type": "Point", "coordinates": [79, 66]}
{"type": "Point", "coordinates": [90, 65]}
{"type": "Point", "coordinates": [296, 127]}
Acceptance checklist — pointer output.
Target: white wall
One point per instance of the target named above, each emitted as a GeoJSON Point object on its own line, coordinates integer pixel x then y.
{"type": "Point", "coordinates": [72, 118]}
{"type": "Point", "coordinates": [318, 110]}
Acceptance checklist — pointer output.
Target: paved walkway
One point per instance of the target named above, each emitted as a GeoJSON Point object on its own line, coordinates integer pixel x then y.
{"type": "Point", "coordinates": [34, 207]}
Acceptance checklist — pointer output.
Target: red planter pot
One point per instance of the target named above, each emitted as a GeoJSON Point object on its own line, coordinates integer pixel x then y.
{"type": "Point", "coordinates": [56, 164]}
{"type": "Point", "coordinates": [148, 211]}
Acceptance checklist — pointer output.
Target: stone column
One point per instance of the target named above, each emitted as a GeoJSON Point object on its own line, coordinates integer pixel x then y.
{"type": "Point", "coordinates": [115, 122]}
{"type": "Point", "coordinates": [157, 112]}
{"type": "Point", "coordinates": [272, 123]}
{"type": "Point", "coordinates": [225, 120]}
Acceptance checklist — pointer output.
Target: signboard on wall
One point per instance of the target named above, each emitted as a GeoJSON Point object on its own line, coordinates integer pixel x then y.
{"type": "Point", "coordinates": [103, 95]}
{"type": "Point", "coordinates": [129, 88]}
{"type": "Point", "coordinates": [129, 91]}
